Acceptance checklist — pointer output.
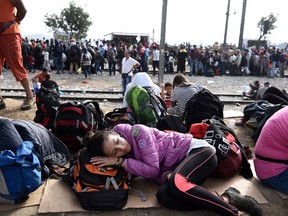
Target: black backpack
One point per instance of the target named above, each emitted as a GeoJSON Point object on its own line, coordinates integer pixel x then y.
{"type": "Point", "coordinates": [171, 123]}
{"type": "Point", "coordinates": [74, 119]}
{"type": "Point", "coordinates": [48, 103]}
{"type": "Point", "coordinates": [157, 102]}
{"type": "Point", "coordinates": [203, 105]}
{"type": "Point", "coordinates": [266, 115]}
{"type": "Point", "coordinates": [243, 62]}
{"type": "Point", "coordinates": [99, 188]}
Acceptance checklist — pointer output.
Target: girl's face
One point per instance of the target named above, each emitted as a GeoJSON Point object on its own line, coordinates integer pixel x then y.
{"type": "Point", "coordinates": [116, 146]}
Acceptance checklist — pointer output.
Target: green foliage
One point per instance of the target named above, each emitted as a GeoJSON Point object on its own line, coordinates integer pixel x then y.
{"type": "Point", "coordinates": [267, 24]}
{"type": "Point", "coordinates": [72, 21]}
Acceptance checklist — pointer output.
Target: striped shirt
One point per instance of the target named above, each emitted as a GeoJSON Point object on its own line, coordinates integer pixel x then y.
{"type": "Point", "coordinates": [181, 95]}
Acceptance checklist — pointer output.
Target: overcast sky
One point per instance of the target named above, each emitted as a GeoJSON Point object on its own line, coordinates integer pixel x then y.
{"type": "Point", "coordinates": [194, 21]}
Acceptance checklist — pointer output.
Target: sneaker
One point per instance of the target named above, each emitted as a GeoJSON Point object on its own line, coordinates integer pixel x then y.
{"type": "Point", "coordinates": [2, 104]}
{"type": "Point", "coordinates": [27, 104]}
{"type": "Point", "coordinates": [242, 203]}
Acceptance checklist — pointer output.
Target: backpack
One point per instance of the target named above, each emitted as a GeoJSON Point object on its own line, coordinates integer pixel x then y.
{"type": "Point", "coordinates": [171, 123]}
{"type": "Point", "coordinates": [261, 122]}
{"type": "Point", "coordinates": [255, 110]}
{"type": "Point", "coordinates": [99, 188]}
{"type": "Point", "coordinates": [231, 155]}
{"type": "Point", "coordinates": [48, 103]}
{"type": "Point", "coordinates": [203, 105]}
{"type": "Point", "coordinates": [20, 173]}
{"type": "Point", "coordinates": [73, 53]}
{"type": "Point", "coordinates": [243, 62]}
{"type": "Point", "coordinates": [48, 148]}
{"type": "Point", "coordinates": [74, 119]}
{"type": "Point", "coordinates": [118, 116]}
{"type": "Point", "coordinates": [111, 54]}
{"type": "Point", "coordinates": [86, 57]}
{"type": "Point", "coordinates": [147, 107]}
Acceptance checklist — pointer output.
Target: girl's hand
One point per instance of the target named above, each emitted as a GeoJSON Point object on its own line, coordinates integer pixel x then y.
{"type": "Point", "coordinates": [103, 161]}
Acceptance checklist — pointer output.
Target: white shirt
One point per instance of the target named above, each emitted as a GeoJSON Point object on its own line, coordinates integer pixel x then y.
{"type": "Point", "coordinates": [156, 55]}
{"type": "Point", "coordinates": [127, 65]}
{"type": "Point", "coordinates": [46, 55]}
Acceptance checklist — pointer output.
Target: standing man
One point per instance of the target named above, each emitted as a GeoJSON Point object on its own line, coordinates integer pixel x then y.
{"type": "Point", "coordinates": [111, 58]}
{"type": "Point", "coordinates": [10, 46]}
{"type": "Point", "coordinates": [128, 66]}
{"type": "Point", "coordinates": [194, 55]}
{"type": "Point", "coordinates": [155, 59]}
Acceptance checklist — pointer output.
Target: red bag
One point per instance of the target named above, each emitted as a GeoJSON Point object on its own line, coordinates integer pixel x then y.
{"type": "Point", "coordinates": [231, 164]}
{"type": "Point", "coordinates": [227, 150]}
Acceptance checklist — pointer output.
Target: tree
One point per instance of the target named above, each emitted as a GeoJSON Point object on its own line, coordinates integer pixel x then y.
{"type": "Point", "coordinates": [266, 25]}
{"type": "Point", "coordinates": [73, 22]}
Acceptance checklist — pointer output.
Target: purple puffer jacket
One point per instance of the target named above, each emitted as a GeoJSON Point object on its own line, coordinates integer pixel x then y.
{"type": "Point", "coordinates": [154, 153]}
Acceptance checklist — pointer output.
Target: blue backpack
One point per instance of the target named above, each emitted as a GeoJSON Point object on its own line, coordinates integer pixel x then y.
{"type": "Point", "coordinates": [20, 173]}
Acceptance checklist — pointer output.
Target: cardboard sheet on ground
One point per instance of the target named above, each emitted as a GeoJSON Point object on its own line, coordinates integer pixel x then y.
{"type": "Point", "coordinates": [245, 186]}
{"type": "Point", "coordinates": [34, 199]}
{"type": "Point", "coordinates": [232, 114]}
{"type": "Point", "coordinates": [57, 192]}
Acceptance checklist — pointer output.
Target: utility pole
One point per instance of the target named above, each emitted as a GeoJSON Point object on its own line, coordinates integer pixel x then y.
{"type": "Point", "coordinates": [226, 25]}
{"type": "Point", "coordinates": [162, 42]}
{"type": "Point", "coordinates": [240, 44]}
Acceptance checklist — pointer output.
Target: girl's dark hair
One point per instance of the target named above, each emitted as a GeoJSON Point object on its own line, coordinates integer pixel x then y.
{"type": "Point", "coordinates": [180, 79]}
{"type": "Point", "coordinates": [94, 141]}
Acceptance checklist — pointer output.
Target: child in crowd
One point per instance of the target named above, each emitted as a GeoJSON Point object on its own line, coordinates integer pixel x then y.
{"type": "Point", "coordinates": [166, 91]}
{"type": "Point", "coordinates": [46, 63]}
{"type": "Point", "coordinates": [38, 79]}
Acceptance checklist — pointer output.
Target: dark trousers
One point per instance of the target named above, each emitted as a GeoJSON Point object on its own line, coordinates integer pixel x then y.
{"type": "Point", "coordinates": [112, 67]}
{"type": "Point", "coordinates": [182, 191]}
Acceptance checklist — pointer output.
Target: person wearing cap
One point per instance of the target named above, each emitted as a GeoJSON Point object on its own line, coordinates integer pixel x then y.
{"type": "Point", "coordinates": [262, 90]}
{"type": "Point", "coordinates": [38, 79]}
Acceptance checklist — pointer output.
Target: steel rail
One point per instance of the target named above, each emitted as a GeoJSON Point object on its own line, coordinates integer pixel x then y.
{"type": "Point", "coordinates": [104, 92]}
{"type": "Point", "coordinates": [116, 99]}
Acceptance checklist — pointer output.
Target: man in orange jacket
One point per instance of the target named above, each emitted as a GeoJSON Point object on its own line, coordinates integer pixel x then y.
{"type": "Point", "coordinates": [10, 46]}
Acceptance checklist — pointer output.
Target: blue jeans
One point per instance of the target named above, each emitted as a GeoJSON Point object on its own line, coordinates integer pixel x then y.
{"type": "Point", "coordinates": [97, 66]}
{"type": "Point", "coordinates": [272, 72]}
{"type": "Point", "coordinates": [278, 182]}
{"type": "Point", "coordinates": [125, 82]}
{"type": "Point", "coordinates": [86, 70]}
{"type": "Point", "coordinates": [193, 67]}
{"type": "Point", "coordinates": [223, 66]}
{"type": "Point", "coordinates": [58, 63]}
{"type": "Point", "coordinates": [112, 66]}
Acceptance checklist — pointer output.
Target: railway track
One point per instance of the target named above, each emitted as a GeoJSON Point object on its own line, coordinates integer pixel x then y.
{"type": "Point", "coordinates": [111, 95]}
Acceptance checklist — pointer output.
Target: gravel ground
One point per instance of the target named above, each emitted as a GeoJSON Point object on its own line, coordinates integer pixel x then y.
{"type": "Point", "coordinates": [217, 84]}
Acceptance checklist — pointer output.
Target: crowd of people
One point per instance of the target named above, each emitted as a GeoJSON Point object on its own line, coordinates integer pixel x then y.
{"type": "Point", "coordinates": [209, 61]}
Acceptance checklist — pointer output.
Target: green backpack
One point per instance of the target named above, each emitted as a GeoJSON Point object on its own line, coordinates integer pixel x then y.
{"type": "Point", "coordinates": [145, 109]}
